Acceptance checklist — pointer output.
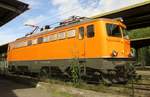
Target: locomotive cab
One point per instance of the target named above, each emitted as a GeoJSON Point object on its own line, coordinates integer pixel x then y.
{"type": "Point", "coordinates": [118, 44]}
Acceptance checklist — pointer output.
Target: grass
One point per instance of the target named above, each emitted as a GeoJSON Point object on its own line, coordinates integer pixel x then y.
{"type": "Point", "coordinates": [61, 94]}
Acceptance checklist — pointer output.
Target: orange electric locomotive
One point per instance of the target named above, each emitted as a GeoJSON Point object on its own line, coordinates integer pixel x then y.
{"type": "Point", "coordinates": [100, 47]}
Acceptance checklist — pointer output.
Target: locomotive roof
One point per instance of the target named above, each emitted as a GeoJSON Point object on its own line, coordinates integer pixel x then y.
{"type": "Point", "coordinates": [65, 27]}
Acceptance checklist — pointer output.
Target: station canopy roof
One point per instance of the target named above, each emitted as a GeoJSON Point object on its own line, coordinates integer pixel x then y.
{"type": "Point", "coordinates": [3, 48]}
{"type": "Point", "coordinates": [135, 16]}
{"type": "Point", "coordinates": [140, 42]}
{"type": "Point", "coordinates": [9, 9]}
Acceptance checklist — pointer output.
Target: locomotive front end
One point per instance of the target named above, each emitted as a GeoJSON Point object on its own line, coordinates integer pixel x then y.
{"type": "Point", "coordinates": [118, 43]}
{"type": "Point", "coordinates": [118, 53]}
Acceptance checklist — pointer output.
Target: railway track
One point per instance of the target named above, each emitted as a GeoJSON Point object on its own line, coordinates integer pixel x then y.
{"type": "Point", "coordinates": [145, 87]}
{"type": "Point", "coordinates": [136, 87]}
{"type": "Point", "coordinates": [34, 80]}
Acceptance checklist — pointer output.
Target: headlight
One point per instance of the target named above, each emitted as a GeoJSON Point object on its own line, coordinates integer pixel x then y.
{"type": "Point", "coordinates": [114, 53]}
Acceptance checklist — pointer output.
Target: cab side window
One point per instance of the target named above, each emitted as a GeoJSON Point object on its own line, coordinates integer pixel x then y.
{"type": "Point", "coordinates": [81, 33]}
{"type": "Point", "coordinates": [90, 31]}
{"type": "Point", "coordinates": [40, 39]}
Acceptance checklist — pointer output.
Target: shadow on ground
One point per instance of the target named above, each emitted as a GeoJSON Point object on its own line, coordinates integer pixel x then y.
{"type": "Point", "coordinates": [7, 87]}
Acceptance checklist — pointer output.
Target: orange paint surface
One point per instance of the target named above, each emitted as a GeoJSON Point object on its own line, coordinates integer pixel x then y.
{"type": "Point", "coordinates": [99, 46]}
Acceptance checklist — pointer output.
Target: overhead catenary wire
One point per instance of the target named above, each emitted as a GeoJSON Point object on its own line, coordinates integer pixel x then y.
{"type": "Point", "coordinates": [69, 11]}
{"type": "Point", "coordinates": [56, 23]}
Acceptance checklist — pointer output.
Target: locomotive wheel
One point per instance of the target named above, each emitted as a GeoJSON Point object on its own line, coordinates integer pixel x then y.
{"type": "Point", "coordinates": [114, 80]}
{"type": "Point", "coordinates": [44, 73]}
{"type": "Point", "coordinates": [110, 78]}
{"type": "Point", "coordinates": [106, 80]}
{"type": "Point", "coordinates": [122, 80]}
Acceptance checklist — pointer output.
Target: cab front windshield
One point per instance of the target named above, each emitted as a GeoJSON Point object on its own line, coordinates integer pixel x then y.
{"type": "Point", "coordinates": [116, 30]}
{"type": "Point", "coordinates": [125, 33]}
{"type": "Point", "coordinates": [113, 30]}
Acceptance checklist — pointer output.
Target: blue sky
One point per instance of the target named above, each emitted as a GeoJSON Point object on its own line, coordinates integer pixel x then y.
{"type": "Point", "coordinates": [44, 12]}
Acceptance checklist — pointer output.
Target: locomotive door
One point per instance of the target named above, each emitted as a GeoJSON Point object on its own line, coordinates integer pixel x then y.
{"type": "Point", "coordinates": [81, 42]}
